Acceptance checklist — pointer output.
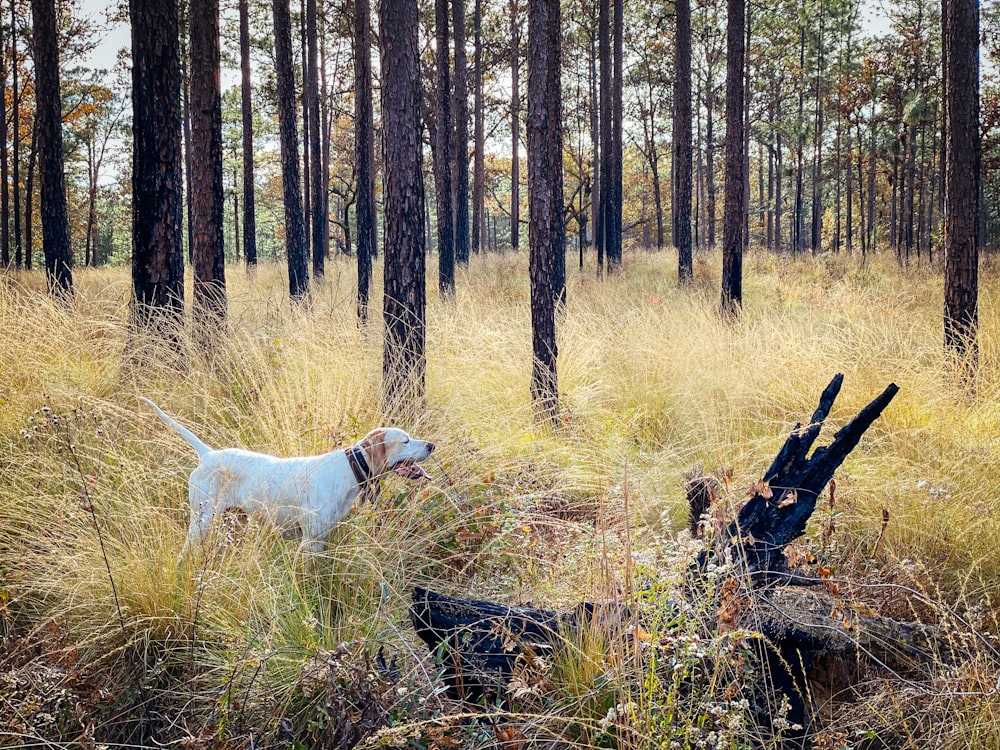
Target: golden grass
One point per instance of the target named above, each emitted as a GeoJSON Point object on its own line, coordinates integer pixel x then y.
{"type": "Point", "coordinates": [652, 383]}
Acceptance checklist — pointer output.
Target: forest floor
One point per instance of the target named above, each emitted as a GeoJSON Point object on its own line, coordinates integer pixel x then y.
{"type": "Point", "coordinates": [106, 638]}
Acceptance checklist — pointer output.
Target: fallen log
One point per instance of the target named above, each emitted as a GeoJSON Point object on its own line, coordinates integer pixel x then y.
{"type": "Point", "coordinates": [479, 642]}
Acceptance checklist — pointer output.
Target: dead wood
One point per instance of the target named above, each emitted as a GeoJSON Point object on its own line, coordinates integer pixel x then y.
{"type": "Point", "coordinates": [479, 642]}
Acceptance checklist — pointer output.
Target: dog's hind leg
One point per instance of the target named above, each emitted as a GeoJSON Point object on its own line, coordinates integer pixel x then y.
{"type": "Point", "coordinates": [202, 514]}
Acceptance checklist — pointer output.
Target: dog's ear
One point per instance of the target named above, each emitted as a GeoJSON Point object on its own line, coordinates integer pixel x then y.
{"type": "Point", "coordinates": [374, 446]}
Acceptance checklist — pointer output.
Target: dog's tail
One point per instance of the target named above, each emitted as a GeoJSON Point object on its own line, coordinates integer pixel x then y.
{"type": "Point", "coordinates": [184, 432]}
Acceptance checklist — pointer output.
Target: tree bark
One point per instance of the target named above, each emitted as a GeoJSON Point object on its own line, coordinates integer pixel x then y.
{"type": "Point", "coordinates": [604, 120]}
{"type": "Point", "coordinates": [306, 131]}
{"type": "Point", "coordinates": [515, 128]}
{"type": "Point", "coordinates": [15, 138]}
{"type": "Point", "coordinates": [317, 193]}
{"type": "Point", "coordinates": [364, 153]}
{"type": "Point", "coordinates": [157, 219]}
{"type": "Point", "coordinates": [779, 166]}
{"type": "Point", "coordinates": [682, 141]}
{"type": "Point", "coordinates": [710, 192]}
{"type": "Point", "coordinates": [960, 33]}
{"type": "Point", "coordinates": [55, 228]}
{"type": "Point", "coordinates": [746, 129]}
{"type": "Point", "coordinates": [479, 133]}
{"type": "Point", "coordinates": [4, 160]}
{"type": "Point", "coordinates": [613, 219]}
{"type": "Point", "coordinates": [798, 238]}
{"type": "Point", "coordinates": [29, 193]}
{"type": "Point", "coordinates": [460, 183]}
{"type": "Point", "coordinates": [442, 154]}
{"type": "Point", "coordinates": [546, 230]}
{"type": "Point", "coordinates": [595, 147]}
{"type": "Point", "coordinates": [735, 205]}
{"type": "Point", "coordinates": [816, 239]}
{"type": "Point", "coordinates": [326, 128]}
{"type": "Point", "coordinates": [183, 12]}
{"type": "Point", "coordinates": [404, 302]}
{"type": "Point", "coordinates": [207, 209]}
{"type": "Point", "coordinates": [296, 244]}
{"type": "Point", "coordinates": [249, 199]}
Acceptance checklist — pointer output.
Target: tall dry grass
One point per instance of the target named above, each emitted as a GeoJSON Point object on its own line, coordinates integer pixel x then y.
{"type": "Point", "coordinates": [652, 383]}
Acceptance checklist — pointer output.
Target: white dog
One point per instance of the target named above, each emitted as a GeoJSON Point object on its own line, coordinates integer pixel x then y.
{"type": "Point", "coordinates": [310, 494]}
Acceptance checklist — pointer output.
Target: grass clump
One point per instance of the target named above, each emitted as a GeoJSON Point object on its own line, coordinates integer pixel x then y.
{"type": "Point", "coordinates": [108, 638]}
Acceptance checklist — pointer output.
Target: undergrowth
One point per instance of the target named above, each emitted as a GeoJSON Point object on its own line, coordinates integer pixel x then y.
{"type": "Point", "coordinates": [107, 638]}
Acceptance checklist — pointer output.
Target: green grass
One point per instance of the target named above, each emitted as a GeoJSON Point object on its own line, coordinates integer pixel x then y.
{"type": "Point", "coordinates": [247, 639]}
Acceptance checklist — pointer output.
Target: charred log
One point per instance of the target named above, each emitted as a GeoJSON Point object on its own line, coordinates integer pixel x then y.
{"type": "Point", "coordinates": [479, 642]}
{"type": "Point", "coordinates": [786, 496]}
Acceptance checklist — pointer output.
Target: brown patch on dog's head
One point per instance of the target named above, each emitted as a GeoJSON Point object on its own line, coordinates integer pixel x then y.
{"type": "Point", "coordinates": [374, 447]}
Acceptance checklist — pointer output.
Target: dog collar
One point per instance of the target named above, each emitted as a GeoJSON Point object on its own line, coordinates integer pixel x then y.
{"type": "Point", "coordinates": [359, 465]}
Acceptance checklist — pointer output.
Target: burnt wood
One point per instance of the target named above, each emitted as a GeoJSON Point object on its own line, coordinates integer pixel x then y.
{"type": "Point", "coordinates": [478, 642]}
{"type": "Point", "coordinates": [771, 520]}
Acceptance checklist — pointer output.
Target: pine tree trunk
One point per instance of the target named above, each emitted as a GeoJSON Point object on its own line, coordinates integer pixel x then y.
{"type": "Point", "coordinates": [515, 129]}
{"type": "Point", "coordinates": [895, 241]}
{"type": "Point", "coordinates": [319, 207]}
{"type": "Point", "coordinates": [682, 141]}
{"type": "Point", "coordinates": [460, 183]}
{"type": "Point", "coordinates": [735, 206]}
{"type": "Point", "coordinates": [699, 176]}
{"type": "Point", "coordinates": [604, 119]}
{"type": "Point", "coordinates": [157, 249]}
{"type": "Point", "coordinates": [911, 178]}
{"type": "Point", "coordinates": [55, 229]}
{"type": "Point", "coordinates": [306, 132]}
{"type": "Point", "coordinates": [613, 220]}
{"type": "Point", "coordinates": [546, 231]}
{"type": "Point", "coordinates": [16, 139]}
{"type": "Point", "coordinates": [90, 249]}
{"type": "Point", "coordinates": [798, 240]}
{"type": "Point", "coordinates": [837, 196]}
{"type": "Point", "coordinates": [249, 199]}
{"type": "Point", "coordinates": [932, 201]}
{"type": "Point", "coordinates": [872, 162]}
{"type": "Point", "coordinates": [816, 242]}
{"type": "Point", "coordinates": [183, 11]}
{"type": "Point", "coordinates": [29, 186]}
{"type": "Point", "coordinates": [296, 243]}
{"type": "Point", "coordinates": [442, 154]}
{"type": "Point", "coordinates": [4, 160]}
{"type": "Point", "coordinates": [326, 128]}
{"type": "Point", "coordinates": [779, 166]}
{"type": "Point", "coordinates": [364, 153]}
{"type": "Point", "coordinates": [745, 234]}
{"type": "Point", "coordinates": [960, 33]}
{"type": "Point", "coordinates": [207, 210]}
{"type": "Point", "coordinates": [761, 200]}
{"type": "Point", "coordinates": [236, 214]}
{"type": "Point", "coordinates": [404, 298]}
{"type": "Point", "coordinates": [849, 220]}
{"type": "Point", "coordinates": [595, 147]}
{"type": "Point", "coordinates": [479, 133]}
{"type": "Point", "coordinates": [771, 154]}
{"type": "Point", "coordinates": [864, 224]}
{"type": "Point", "coordinates": [710, 207]}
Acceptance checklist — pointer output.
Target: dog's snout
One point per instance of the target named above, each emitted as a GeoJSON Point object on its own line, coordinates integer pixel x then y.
{"type": "Point", "coordinates": [430, 447]}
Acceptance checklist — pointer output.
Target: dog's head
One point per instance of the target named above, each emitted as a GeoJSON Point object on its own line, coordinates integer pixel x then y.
{"type": "Point", "coordinates": [391, 449]}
